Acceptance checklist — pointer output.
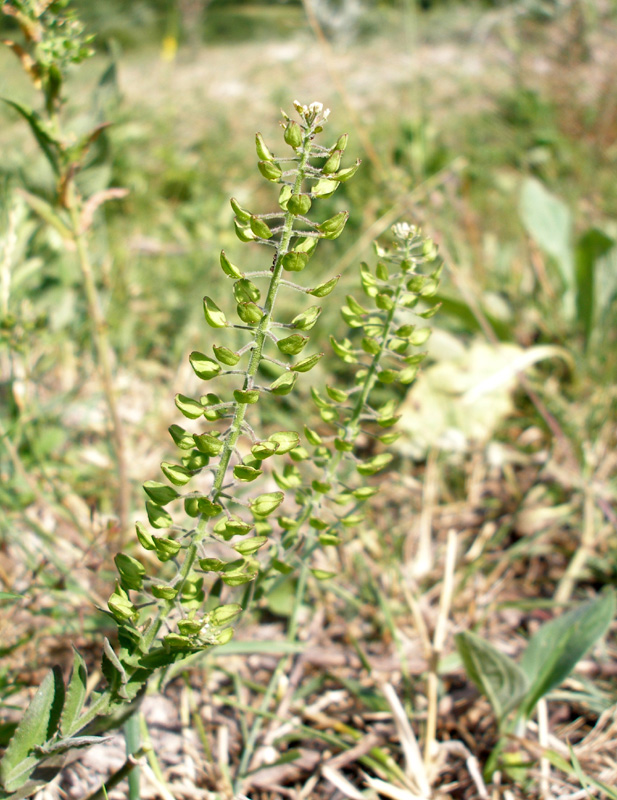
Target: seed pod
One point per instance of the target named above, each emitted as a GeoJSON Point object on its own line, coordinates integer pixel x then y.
{"type": "Point", "coordinates": [295, 261]}
{"type": "Point", "coordinates": [259, 228]}
{"type": "Point", "coordinates": [243, 216]}
{"type": "Point", "coordinates": [270, 170]}
{"type": "Point", "coordinates": [293, 134]}
{"type": "Point", "coordinates": [228, 268]}
{"type": "Point", "coordinates": [333, 162]}
{"type": "Point", "coordinates": [299, 204]}
{"type": "Point", "coordinates": [213, 314]}
{"type": "Point", "coordinates": [250, 313]}
{"type": "Point", "coordinates": [262, 149]}
{"type": "Point", "coordinates": [333, 227]}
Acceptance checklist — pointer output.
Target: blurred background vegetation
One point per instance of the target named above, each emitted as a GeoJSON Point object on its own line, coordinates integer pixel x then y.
{"type": "Point", "coordinates": [491, 124]}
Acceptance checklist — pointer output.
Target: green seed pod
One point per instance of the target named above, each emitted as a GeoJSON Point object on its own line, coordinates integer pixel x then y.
{"type": "Point", "coordinates": [213, 314]}
{"type": "Point", "coordinates": [284, 196]}
{"type": "Point", "coordinates": [243, 232]}
{"type": "Point", "coordinates": [245, 291]}
{"type": "Point", "coordinates": [344, 350]}
{"type": "Point", "coordinates": [224, 614]}
{"type": "Point", "coordinates": [324, 289]}
{"type": "Point", "coordinates": [259, 228]}
{"type": "Point", "coordinates": [178, 475]}
{"type": "Point", "coordinates": [265, 504]}
{"type": "Point", "coordinates": [160, 493]}
{"type": "Point", "coordinates": [249, 313]}
{"type": "Point", "coordinates": [382, 271]}
{"type": "Point", "coordinates": [325, 187]}
{"type": "Point", "coordinates": [163, 592]}
{"type": "Point", "coordinates": [249, 396]}
{"type": "Point", "coordinates": [384, 301]}
{"type": "Point", "coordinates": [195, 461]}
{"type": "Point", "coordinates": [263, 450]}
{"type": "Point", "coordinates": [293, 134]}
{"type": "Point", "coordinates": [203, 366]}
{"type": "Point", "coordinates": [312, 437]}
{"type": "Point", "coordinates": [299, 204]}
{"type": "Point", "coordinates": [226, 356]}
{"type": "Point", "coordinates": [341, 142]}
{"type": "Point", "coordinates": [181, 438]}
{"type": "Point", "coordinates": [307, 319]}
{"type": "Point", "coordinates": [293, 344]}
{"type": "Point", "coordinates": [387, 376]}
{"type": "Point", "coordinates": [157, 516]}
{"type": "Point", "coordinates": [189, 407]}
{"type": "Point", "coordinates": [345, 174]}
{"type": "Point", "coordinates": [306, 245]}
{"type": "Point", "coordinates": [270, 170]}
{"type": "Point", "coordinates": [208, 508]}
{"type": "Point", "coordinates": [375, 464]}
{"type": "Point", "coordinates": [333, 162]}
{"type": "Point", "coordinates": [333, 227]}
{"type": "Point", "coordinates": [283, 384]}
{"type": "Point", "coordinates": [144, 537]}
{"type": "Point", "coordinates": [286, 441]}
{"type": "Point", "coordinates": [166, 548]}
{"type": "Point", "coordinates": [245, 473]}
{"type": "Point", "coordinates": [242, 215]}
{"type": "Point", "coordinates": [208, 444]}
{"type": "Point", "coordinates": [370, 346]}
{"type": "Point", "coordinates": [307, 363]}
{"type": "Point", "coordinates": [262, 149]}
{"type": "Point", "coordinates": [295, 261]}
{"type": "Point", "coordinates": [228, 268]}
{"type": "Point", "coordinates": [336, 394]}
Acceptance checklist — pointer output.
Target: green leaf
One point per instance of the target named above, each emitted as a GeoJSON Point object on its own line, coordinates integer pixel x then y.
{"type": "Point", "coordinates": [590, 248]}
{"type": "Point", "coordinates": [496, 675]}
{"type": "Point", "coordinates": [286, 441]}
{"type": "Point", "coordinates": [36, 727]}
{"type": "Point", "coordinates": [228, 268]}
{"type": "Point", "coordinates": [294, 261]}
{"type": "Point", "coordinates": [307, 363]}
{"type": "Point", "coordinates": [553, 652]}
{"type": "Point", "coordinates": [548, 221]}
{"type": "Point", "coordinates": [131, 571]}
{"type": "Point", "coordinates": [189, 407]}
{"type": "Point", "coordinates": [47, 213]}
{"type": "Point", "coordinates": [45, 140]}
{"type": "Point", "coordinates": [283, 384]}
{"type": "Point", "coordinates": [204, 366]}
{"type": "Point", "coordinates": [265, 504]}
{"type": "Point", "coordinates": [250, 546]}
{"type": "Point", "coordinates": [75, 696]}
{"type": "Point", "coordinates": [213, 314]}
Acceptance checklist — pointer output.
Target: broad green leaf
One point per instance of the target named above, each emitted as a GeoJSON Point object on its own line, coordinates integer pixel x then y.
{"type": "Point", "coordinates": [496, 675]}
{"type": "Point", "coordinates": [552, 653]}
{"type": "Point", "coordinates": [36, 727]}
{"type": "Point", "coordinates": [590, 248]}
{"type": "Point", "coordinates": [548, 221]}
{"type": "Point", "coordinates": [75, 696]}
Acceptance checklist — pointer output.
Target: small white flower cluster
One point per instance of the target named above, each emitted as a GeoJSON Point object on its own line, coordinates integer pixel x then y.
{"type": "Point", "coordinates": [314, 112]}
{"type": "Point", "coordinates": [403, 230]}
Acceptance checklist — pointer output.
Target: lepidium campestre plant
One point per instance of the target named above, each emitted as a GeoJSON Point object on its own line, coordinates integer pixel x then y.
{"type": "Point", "coordinates": [207, 522]}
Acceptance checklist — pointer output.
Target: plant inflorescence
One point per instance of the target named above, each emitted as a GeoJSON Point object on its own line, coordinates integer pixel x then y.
{"type": "Point", "coordinates": [208, 527]}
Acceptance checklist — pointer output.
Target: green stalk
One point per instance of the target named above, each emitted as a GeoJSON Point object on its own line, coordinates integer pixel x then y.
{"type": "Point", "coordinates": [103, 352]}
{"type": "Point", "coordinates": [262, 328]}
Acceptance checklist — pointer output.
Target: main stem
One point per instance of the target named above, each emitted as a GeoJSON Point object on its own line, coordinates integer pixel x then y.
{"type": "Point", "coordinates": [103, 353]}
